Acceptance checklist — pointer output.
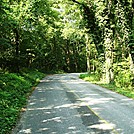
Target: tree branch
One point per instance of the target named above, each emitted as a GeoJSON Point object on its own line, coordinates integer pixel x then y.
{"type": "Point", "coordinates": [77, 2]}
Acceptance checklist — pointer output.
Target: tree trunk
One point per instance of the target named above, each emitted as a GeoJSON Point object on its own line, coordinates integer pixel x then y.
{"type": "Point", "coordinates": [109, 58]}
{"type": "Point", "coordinates": [88, 53]}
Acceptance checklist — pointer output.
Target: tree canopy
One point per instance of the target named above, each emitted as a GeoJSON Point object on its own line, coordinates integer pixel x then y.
{"type": "Point", "coordinates": [69, 35]}
{"type": "Point", "coordinates": [51, 36]}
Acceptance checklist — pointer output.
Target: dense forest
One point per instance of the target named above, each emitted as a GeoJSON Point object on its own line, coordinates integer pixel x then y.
{"type": "Point", "coordinates": [69, 35]}
{"type": "Point", "coordinates": [96, 36]}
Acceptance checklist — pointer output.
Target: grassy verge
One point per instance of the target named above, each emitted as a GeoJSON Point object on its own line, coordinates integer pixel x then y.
{"type": "Point", "coordinates": [121, 90]}
{"type": "Point", "coordinates": [14, 91]}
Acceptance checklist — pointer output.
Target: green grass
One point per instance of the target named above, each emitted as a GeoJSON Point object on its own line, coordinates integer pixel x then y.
{"type": "Point", "coordinates": [93, 78]}
{"type": "Point", "coordinates": [14, 91]}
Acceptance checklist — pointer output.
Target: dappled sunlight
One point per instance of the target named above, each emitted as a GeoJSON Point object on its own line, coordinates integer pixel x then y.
{"type": "Point", "coordinates": [40, 108]}
{"type": "Point", "coordinates": [73, 81]}
{"type": "Point", "coordinates": [26, 131]}
{"type": "Point", "coordinates": [31, 103]}
{"type": "Point", "coordinates": [91, 94]}
{"type": "Point", "coordinates": [103, 126]}
{"type": "Point", "coordinates": [127, 102]}
{"type": "Point", "coordinates": [127, 99]}
{"type": "Point", "coordinates": [97, 109]}
{"type": "Point", "coordinates": [42, 100]}
{"type": "Point", "coordinates": [55, 119]}
{"type": "Point", "coordinates": [67, 105]}
{"type": "Point", "coordinates": [72, 128]}
{"type": "Point", "coordinates": [57, 109]}
{"type": "Point", "coordinates": [93, 101]}
{"type": "Point", "coordinates": [42, 90]}
{"type": "Point", "coordinates": [88, 114]}
{"type": "Point", "coordinates": [49, 122]}
{"type": "Point", "coordinates": [43, 129]}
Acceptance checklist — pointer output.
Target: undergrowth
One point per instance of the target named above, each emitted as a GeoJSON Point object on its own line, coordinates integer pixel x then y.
{"type": "Point", "coordinates": [93, 78]}
{"type": "Point", "coordinates": [14, 91]}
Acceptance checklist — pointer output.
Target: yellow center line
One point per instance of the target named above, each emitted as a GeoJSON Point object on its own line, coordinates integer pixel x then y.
{"type": "Point", "coordinates": [106, 122]}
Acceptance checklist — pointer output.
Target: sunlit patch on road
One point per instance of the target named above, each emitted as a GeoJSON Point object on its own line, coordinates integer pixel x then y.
{"type": "Point", "coordinates": [103, 126]}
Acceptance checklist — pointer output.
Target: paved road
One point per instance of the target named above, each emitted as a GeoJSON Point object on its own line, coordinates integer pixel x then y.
{"type": "Point", "coordinates": [65, 104]}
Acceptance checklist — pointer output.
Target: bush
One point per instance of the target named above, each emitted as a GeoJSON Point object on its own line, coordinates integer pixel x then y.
{"type": "Point", "coordinates": [92, 77]}
{"type": "Point", "coordinates": [14, 91]}
{"type": "Point", "coordinates": [123, 77]}
{"type": "Point", "coordinates": [122, 90]}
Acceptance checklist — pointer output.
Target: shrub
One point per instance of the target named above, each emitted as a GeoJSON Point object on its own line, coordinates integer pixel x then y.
{"type": "Point", "coordinates": [13, 94]}
{"type": "Point", "coordinates": [123, 77]}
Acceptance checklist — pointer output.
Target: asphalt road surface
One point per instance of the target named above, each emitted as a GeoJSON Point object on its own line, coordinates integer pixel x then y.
{"type": "Point", "coordinates": [65, 104]}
